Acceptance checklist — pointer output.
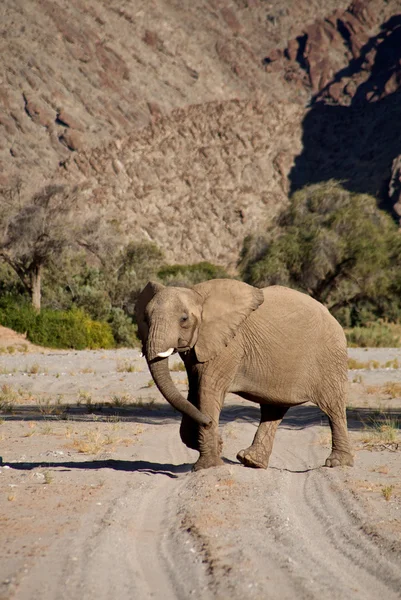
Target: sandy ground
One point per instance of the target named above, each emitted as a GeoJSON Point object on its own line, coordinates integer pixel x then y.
{"type": "Point", "coordinates": [97, 497]}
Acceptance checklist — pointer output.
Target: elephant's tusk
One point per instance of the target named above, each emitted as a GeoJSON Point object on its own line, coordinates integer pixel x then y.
{"type": "Point", "coordinates": [166, 353]}
{"type": "Point", "coordinates": [141, 355]}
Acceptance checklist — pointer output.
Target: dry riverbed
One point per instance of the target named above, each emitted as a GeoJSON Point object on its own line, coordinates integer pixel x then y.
{"type": "Point", "coordinates": [97, 497]}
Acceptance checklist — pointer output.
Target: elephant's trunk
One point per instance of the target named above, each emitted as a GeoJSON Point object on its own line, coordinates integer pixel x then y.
{"type": "Point", "coordinates": [161, 375]}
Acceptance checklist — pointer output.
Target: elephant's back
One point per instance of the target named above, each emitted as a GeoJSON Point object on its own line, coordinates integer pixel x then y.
{"type": "Point", "coordinates": [295, 310]}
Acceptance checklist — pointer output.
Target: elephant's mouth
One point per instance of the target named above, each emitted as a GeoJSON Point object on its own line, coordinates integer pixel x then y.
{"type": "Point", "coordinates": [181, 349]}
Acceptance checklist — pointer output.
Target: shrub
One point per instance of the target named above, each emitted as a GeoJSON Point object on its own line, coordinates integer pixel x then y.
{"type": "Point", "coordinates": [336, 246]}
{"type": "Point", "coordinates": [57, 329]}
{"type": "Point", "coordinates": [124, 331]}
{"type": "Point", "coordinates": [375, 335]}
{"type": "Point", "coordinates": [137, 264]}
{"type": "Point", "coordinates": [94, 302]}
{"type": "Point", "coordinates": [190, 274]}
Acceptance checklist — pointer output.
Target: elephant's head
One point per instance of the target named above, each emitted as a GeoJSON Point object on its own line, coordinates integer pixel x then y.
{"type": "Point", "coordinates": [175, 319]}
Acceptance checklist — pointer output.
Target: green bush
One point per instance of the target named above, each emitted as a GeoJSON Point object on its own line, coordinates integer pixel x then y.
{"type": "Point", "coordinates": [190, 274]}
{"type": "Point", "coordinates": [94, 302]}
{"type": "Point", "coordinates": [336, 246]}
{"type": "Point", "coordinates": [17, 313]}
{"type": "Point", "coordinates": [56, 329]}
{"type": "Point", "coordinates": [374, 335]}
{"type": "Point", "coordinates": [124, 331]}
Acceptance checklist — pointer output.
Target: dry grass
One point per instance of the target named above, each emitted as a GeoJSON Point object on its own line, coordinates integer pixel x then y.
{"type": "Point", "coordinates": [94, 441]}
{"type": "Point", "coordinates": [177, 366]}
{"type": "Point", "coordinates": [387, 492]}
{"type": "Point", "coordinates": [23, 348]}
{"type": "Point", "coordinates": [392, 364]}
{"type": "Point", "coordinates": [87, 370]}
{"type": "Point", "coordinates": [145, 401]}
{"type": "Point", "coordinates": [32, 430]}
{"type": "Point", "coordinates": [85, 397]}
{"type": "Point", "coordinates": [354, 364]}
{"type": "Point", "coordinates": [127, 366]}
{"type": "Point", "coordinates": [382, 434]}
{"type": "Point", "coordinates": [48, 477]}
{"type": "Point", "coordinates": [383, 469]}
{"type": "Point", "coordinates": [5, 371]}
{"type": "Point", "coordinates": [392, 389]}
{"type": "Point", "coordinates": [121, 401]}
{"type": "Point", "coordinates": [46, 407]}
{"type": "Point", "coordinates": [8, 398]}
{"type": "Point", "coordinates": [374, 389]}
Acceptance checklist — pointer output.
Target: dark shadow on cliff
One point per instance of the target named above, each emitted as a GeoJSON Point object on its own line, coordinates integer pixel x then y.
{"type": "Point", "coordinates": [357, 144]}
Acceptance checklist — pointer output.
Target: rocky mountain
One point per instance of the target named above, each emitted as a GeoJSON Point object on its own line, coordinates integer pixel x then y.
{"type": "Point", "coordinates": [189, 122]}
{"type": "Point", "coordinates": [77, 73]}
{"type": "Point", "coordinates": [196, 182]}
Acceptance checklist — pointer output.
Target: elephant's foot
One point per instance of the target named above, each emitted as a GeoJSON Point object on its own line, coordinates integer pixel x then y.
{"type": "Point", "coordinates": [339, 458]}
{"type": "Point", "coordinates": [251, 457]}
{"type": "Point", "coordinates": [205, 462]}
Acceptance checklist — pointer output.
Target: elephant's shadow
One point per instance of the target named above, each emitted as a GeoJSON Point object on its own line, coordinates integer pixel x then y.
{"type": "Point", "coordinates": [131, 466]}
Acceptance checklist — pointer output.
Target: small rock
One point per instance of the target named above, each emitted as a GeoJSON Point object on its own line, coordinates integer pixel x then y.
{"type": "Point", "coordinates": [66, 119]}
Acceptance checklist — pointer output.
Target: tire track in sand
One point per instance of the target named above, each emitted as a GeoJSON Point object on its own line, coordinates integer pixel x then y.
{"type": "Point", "coordinates": [317, 529]}
{"type": "Point", "coordinates": [291, 531]}
{"type": "Point", "coordinates": [124, 547]}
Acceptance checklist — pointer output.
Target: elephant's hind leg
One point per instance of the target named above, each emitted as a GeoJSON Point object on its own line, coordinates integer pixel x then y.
{"type": "Point", "coordinates": [258, 454]}
{"type": "Point", "coordinates": [341, 453]}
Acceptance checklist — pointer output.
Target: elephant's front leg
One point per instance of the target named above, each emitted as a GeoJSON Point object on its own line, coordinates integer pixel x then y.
{"type": "Point", "coordinates": [209, 440]}
{"type": "Point", "coordinates": [258, 454]}
{"type": "Point", "coordinates": [189, 433]}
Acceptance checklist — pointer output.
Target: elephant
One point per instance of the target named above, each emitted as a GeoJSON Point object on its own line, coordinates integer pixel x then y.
{"type": "Point", "coordinates": [276, 346]}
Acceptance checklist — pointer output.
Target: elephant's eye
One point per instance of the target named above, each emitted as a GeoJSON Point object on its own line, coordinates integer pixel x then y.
{"type": "Point", "coordinates": [184, 318]}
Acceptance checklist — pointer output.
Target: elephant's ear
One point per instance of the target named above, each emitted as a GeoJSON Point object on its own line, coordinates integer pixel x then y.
{"type": "Point", "coordinates": [226, 305]}
{"type": "Point", "coordinates": [144, 298]}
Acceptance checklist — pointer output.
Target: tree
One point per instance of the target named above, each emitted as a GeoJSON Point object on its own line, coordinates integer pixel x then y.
{"type": "Point", "coordinates": [135, 264]}
{"type": "Point", "coordinates": [36, 231]}
{"type": "Point", "coordinates": [335, 245]}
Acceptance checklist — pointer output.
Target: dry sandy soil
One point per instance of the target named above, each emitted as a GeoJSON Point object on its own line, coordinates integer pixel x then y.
{"type": "Point", "coordinates": [97, 497]}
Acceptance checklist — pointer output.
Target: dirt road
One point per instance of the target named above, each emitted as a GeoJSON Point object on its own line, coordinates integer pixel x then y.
{"type": "Point", "coordinates": [98, 500]}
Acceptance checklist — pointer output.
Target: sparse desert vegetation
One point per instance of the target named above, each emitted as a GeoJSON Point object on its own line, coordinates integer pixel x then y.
{"type": "Point", "coordinates": [177, 366]}
{"type": "Point", "coordinates": [382, 432]}
{"type": "Point", "coordinates": [391, 389]}
{"type": "Point", "coordinates": [126, 365]}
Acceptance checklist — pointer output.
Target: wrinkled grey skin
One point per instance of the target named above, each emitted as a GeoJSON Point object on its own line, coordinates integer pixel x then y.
{"type": "Point", "coordinates": [276, 347]}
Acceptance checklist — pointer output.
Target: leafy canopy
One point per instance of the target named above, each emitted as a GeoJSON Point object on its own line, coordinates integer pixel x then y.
{"type": "Point", "coordinates": [336, 246]}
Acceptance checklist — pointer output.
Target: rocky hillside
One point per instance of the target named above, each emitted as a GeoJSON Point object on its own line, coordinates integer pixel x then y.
{"type": "Point", "coordinates": [191, 121]}
{"type": "Point", "coordinates": [198, 180]}
{"type": "Point", "coordinates": [77, 73]}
